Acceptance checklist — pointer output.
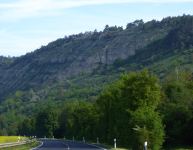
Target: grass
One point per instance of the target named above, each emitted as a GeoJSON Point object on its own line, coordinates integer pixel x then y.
{"type": "Point", "coordinates": [111, 147]}
{"type": "Point", "coordinates": [24, 147]}
{"type": "Point", "coordinates": [178, 148]}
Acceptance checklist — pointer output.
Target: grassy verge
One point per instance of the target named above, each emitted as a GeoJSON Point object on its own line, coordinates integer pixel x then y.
{"type": "Point", "coordinates": [11, 139]}
{"type": "Point", "coordinates": [24, 147]}
{"type": "Point", "coordinates": [178, 148]}
{"type": "Point", "coordinates": [111, 147]}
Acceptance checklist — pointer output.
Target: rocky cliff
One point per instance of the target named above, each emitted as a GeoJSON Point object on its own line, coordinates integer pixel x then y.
{"type": "Point", "coordinates": [82, 54]}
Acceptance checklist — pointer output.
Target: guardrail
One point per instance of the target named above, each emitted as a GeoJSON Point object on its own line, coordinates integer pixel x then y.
{"type": "Point", "coordinates": [15, 144]}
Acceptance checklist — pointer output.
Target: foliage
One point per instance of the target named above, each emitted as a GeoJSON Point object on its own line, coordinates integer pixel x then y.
{"type": "Point", "coordinates": [112, 114]}
{"type": "Point", "coordinates": [152, 129]}
{"type": "Point", "coordinates": [46, 122]}
{"type": "Point", "coordinates": [177, 107]}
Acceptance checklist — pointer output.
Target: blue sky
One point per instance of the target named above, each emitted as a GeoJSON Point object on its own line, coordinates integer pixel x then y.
{"type": "Point", "coordinates": [25, 25]}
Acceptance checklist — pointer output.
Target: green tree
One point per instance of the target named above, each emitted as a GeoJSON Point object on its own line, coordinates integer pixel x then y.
{"type": "Point", "coordinates": [121, 103]}
{"type": "Point", "coordinates": [83, 121]}
{"type": "Point", "coordinates": [46, 122]}
{"type": "Point", "coordinates": [152, 129]}
{"type": "Point", "coordinates": [26, 127]}
{"type": "Point", "coordinates": [3, 132]}
{"type": "Point", "coordinates": [177, 107]}
{"type": "Point", "coordinates": [11, 132]}
{"type": "Point", "coordinates": [66, 114]}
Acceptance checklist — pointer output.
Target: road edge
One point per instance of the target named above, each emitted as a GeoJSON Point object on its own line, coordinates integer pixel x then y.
{"type": "Point", "coordinates": [37, 146]}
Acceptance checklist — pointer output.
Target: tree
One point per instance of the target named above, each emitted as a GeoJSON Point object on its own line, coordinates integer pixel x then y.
{"type": "Point", "coordinates": [82, 123]}
{"type": "Point", "coordinates": [118, 62]}
{"type": "Point", "coordinates": [19, 127]}
{"type": "Point", "coordinates": [3, 132]}
{"type": "Point", "coordinates": [139, 23]}
{"type": "Point", "coordinates": [129, 102]}
{"type": "Point", "coordinates": [106, 28]}
{"type": "Point", "coordinates": [26, 127]}
{"type": "Point", "coordinates": [11, 132]}
{"type": "Point", "coordinates": [66, 114]}
{"type": "Point", "coordinates": [47, 122]}
{"type": "Point", "coordinates": [177, 107]}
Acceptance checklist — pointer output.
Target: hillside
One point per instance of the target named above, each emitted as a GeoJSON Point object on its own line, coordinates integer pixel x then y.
{"type": "Point", "coordinates": [80, 66]}
{"type": "Point", "coordinates": [75, 54]}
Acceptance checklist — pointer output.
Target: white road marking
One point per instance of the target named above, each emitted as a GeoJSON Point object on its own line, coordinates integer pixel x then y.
{"type": "Point", "coordinates": [97, 146]}
{"type": "Point", "coordinates": [67, 145]}
{"type": "Point", "coordinates": [93, 145]}
{"type": "Point", "coordinates": [37, 146]}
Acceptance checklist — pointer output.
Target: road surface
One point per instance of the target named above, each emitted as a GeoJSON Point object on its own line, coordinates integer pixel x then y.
{"type": "Point", "coordinates": [48, 144]}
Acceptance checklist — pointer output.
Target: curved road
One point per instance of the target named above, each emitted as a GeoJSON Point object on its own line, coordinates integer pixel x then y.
{"type": "Point", "coordinates": [48, 144]}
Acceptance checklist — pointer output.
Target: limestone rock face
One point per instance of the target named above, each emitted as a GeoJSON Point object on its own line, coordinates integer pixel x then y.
{"type": "Point", "coordinates": [61, 65]}
{"type": "Point", "coordinates": [76, 64]}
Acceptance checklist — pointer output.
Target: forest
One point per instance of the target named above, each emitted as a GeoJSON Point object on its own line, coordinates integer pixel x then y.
{"type": "Point", "coordinates": [133, 109]}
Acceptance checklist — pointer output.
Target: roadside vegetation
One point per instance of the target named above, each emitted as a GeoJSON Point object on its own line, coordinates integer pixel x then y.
{"type": "Point", "coordinates": [11, 139]}
{"type": "Point", "coordinates": [133, 109]}
{"type": "Point", "coordinates": [24, 147]}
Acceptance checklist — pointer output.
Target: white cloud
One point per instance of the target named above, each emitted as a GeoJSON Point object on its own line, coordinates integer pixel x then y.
{"type": "Point", "coordinates": [34, 8]}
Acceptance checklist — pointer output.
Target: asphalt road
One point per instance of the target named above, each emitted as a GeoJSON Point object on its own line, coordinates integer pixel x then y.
{"type": "Point", "coordinates": [48, 144]}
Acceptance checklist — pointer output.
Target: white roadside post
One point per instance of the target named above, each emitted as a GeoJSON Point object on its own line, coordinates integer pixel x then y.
{"type": "Point", "coordinates": [73, 138]}
{"type": "Point", "coordinates": [145, 144]}
{"type": "Point", "coordinates": [115, 143]}
{"type": "Point", "coordinates": [18, 139]}
{"type": "Point", "coordinates": [83, 139]}
{"type": "Point", "coordinates": [44, 137]}
{"type": "Point", "coordinates": [97, 140]}
{"type": "Point", "coordinates": [53, 137]}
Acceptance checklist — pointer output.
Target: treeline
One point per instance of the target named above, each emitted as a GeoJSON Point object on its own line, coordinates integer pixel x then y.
{"type": "Point", "coordinates": [6, 61]}
{"type": "Point", "coordinates": [134, 109]}
{"type": "Point", "coordinates": [3, 59]}
{"type": "Point", "coordinates": [168, 21]}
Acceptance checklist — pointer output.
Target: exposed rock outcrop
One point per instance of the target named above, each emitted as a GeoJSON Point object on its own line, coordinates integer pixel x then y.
{"type": "Point", "coordinates": [61, 66]}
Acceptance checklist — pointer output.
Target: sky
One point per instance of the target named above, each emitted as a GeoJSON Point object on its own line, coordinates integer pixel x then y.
{"type": "Point", "coordinates": [26, 25]}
